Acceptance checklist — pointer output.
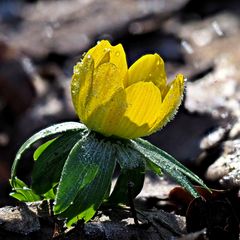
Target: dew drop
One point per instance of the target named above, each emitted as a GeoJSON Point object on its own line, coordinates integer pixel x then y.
{"type": "Point", "coordinates": [150, 75]}
{"type": "Point", "coordinates": [158, 63]}
{"type": "Point", "coordinates": [107, 49]}
{"type": "Point", "coordinates": [117, 54]}
{"type": "Point", "coordinates": [89, 56]}
{"type": "Point", "coordinates": [76, 71]}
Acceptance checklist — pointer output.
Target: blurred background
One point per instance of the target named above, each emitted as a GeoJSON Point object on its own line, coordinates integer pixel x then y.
{"type": "Point", "coordinates": [40, 41]}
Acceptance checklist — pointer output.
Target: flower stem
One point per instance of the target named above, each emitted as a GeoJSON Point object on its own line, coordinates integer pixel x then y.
{"type": "Point", "coordinates": [131, 203]}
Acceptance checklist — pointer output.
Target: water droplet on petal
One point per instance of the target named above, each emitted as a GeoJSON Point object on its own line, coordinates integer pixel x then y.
{"type": "Point", "coordinates": [117, 54]}
{"type": "Point", "coordinates": [158, 63]}
{"type": "Point", "coordinates": [107, 49]}
{"type": "Point", "coordinates": [76, 70]}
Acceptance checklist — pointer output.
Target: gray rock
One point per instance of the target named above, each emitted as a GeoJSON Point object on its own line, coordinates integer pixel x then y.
{"type": "Point", "coordinates": [226, 168]}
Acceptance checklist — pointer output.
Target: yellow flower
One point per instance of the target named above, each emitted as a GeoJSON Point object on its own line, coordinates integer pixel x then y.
{"type": "Point", "coordinates": [116, 101]}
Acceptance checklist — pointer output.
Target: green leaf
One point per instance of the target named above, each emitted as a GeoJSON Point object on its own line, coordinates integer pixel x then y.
{"type": "Point", "coordinates": [169, 165]}
{"type": "Point", "coordinates": [18, 183]}
{"type": "Point", "coordinates": [132, 177]}
{"type": "Point", "coordinates": [47, 132]}
{"type": "Point", "coordinates": [101, 153]}
{"type": "Point", "coordinates": [180, 166]}
{"type": "Point", "coordinates": [41, 149]}
{"type": "Point", "coordinates": [50, 195]}
{"type": "Point", "coordinates": [18, 196]}
{"type": "Point", "coordinates": [132, 165]}
{"type": "Point", "coordinates": [49, 165]}
{"type": "Point", "coordinates": [155, 168]}
{"type": "Point", "coordinates": [79, 170]}
{"type": "Point", "coordinates": [22, 192]}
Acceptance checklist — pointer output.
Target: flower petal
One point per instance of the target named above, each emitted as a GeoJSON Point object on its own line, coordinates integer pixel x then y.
{"type": "Point", "coordinates": [170, 103]}
{"type": "Point", "coordinates": [100, 53]}
{"type": "Point", "coordinates": [80, 85]}
{"type": "Point", "coordinates": [118, 58]}
{"type": "Point", "coordinates": [105, 118]}
{"type": "Point", "coordinates": [106, 83]}
{"type": "Point", "coordinates": [143, 102]}
{"type": "Point", "coordinates": [104, 52]}
{"type": "Point", "coordinates": [149, 68]}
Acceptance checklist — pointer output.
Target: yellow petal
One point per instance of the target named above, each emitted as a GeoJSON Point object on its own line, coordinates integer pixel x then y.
{"type": "Point", "coordinates": [170, 103]}
{"type": "Point", "coordinates": [118, 58]}
{"type": "Point", "coordinates": [143, 100]}
{"type": "Point", "coordinates": [105, 84]}
{"type": "Point", "coordinates": [104, 52]}
{"type": "Point", "coordinates": [149, 68]}
{"type": "Point", "coordinates": [80, 85]}
{"type": "Point", "coordinates": [105, 118]}
{"type": "Point", "coordinates": [100, 53]}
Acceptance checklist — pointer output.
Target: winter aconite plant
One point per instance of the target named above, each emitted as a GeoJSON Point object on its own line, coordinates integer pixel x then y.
{"type": "Point", "coordinates": [116, 105]}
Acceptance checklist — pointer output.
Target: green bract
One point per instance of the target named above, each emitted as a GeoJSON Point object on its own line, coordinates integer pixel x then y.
{"type": "Point", "coordinates": [75, 170]}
